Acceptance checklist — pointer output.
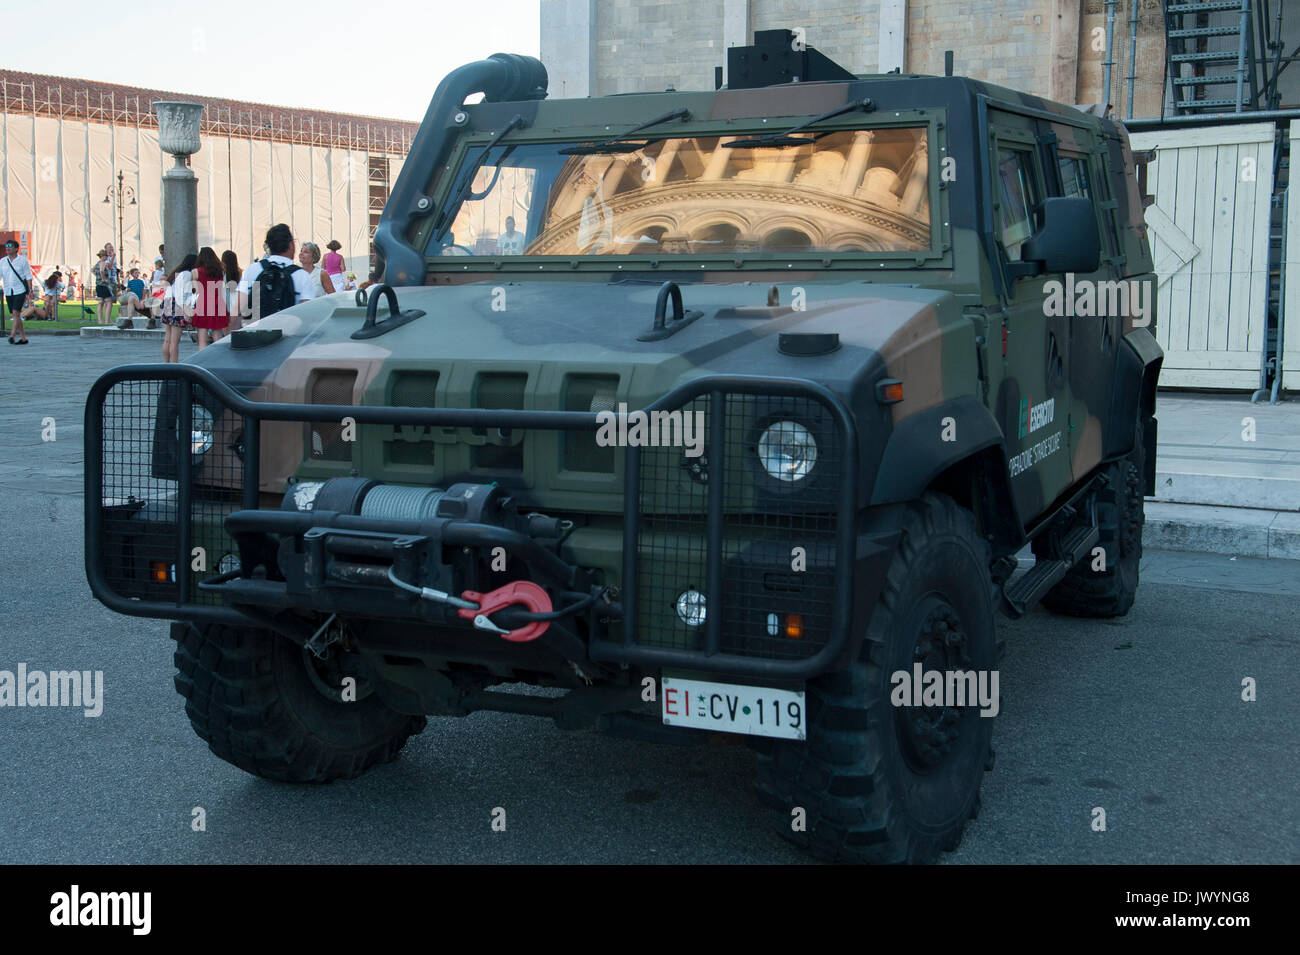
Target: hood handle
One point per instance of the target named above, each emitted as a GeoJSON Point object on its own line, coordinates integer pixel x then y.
{"type": "Point", "coordinates": [661, 327]}
{"type": "Point", "coordinates": [372, 328]}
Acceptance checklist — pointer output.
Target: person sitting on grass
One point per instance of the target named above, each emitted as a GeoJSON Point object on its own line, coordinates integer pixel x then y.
{"type": "Point", "coordinates": [35, 308]}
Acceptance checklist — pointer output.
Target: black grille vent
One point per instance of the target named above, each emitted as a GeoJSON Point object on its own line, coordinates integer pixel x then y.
{"type": "Point", "coordinates": [412, 389]}
{"type": "Point", "coordinates": [325, 440]}
{"type": "Point", "coordinates": [501, 449]}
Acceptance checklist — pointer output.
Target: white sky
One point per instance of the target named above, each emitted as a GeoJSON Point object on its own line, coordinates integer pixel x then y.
{"type": "Point", "coordinates": [373, 57]}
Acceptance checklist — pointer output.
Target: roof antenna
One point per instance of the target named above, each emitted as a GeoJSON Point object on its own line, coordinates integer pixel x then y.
{"type": "Point", "coordinates": [947, 62]}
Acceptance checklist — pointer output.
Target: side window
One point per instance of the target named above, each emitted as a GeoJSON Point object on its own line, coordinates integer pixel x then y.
{"type": "Point", "coordinates": [1074, 177]}
{"type": "Point", "coordinates": [1019, 195]}
{"type": "Point", "coordinates": [1106, 202]}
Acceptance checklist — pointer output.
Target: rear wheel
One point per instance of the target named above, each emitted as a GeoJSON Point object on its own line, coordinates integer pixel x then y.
{"type": "Point", "coordinates": [273, 709]}
{"type": "Point", "coordinates": [880, 782]}
{"type": "Point", "coordinates": [1105, 584]}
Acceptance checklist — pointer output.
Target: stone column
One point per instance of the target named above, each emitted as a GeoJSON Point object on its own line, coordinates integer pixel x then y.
{"type": "Point", "coordinates": [568, 47]}
{"type": "Point", "coordinates": [859, 156]}
{"type": "Point", "coordinates": [178, 134]}
{"type": "Point", "coordinates": [735, 25]}
{"type": "Point", "coordinates": [892, 50]}
{"type": "Point", "coordinates": [1063, 81]}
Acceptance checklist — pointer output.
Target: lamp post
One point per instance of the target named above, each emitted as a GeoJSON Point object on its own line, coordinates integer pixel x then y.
{"type": "Point", "coordinates": [178, 134]}
{"type": "Point", "coordinates": [124, 195]}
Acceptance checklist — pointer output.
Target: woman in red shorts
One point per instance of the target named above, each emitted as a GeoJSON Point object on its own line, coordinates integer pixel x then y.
{"type": "Point", "coordinates": [210, 314]}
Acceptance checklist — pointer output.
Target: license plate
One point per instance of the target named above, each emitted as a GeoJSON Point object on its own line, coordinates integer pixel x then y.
{"type": "Point", "coordinates": [731, 708]}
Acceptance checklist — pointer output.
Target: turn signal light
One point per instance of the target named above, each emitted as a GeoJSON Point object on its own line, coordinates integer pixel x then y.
{"type": "Point", "coordinates": [160, 572]}
{"type": "Point", "coordinates": [794, 626]}
{"type": "Point", "coordinates": [891, 391]}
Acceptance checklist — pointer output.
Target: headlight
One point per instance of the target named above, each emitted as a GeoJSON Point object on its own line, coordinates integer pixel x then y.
{"type": "Point", "coordinates": [787, 451]}
{"type": "Point", "coordinates": [200, 430]}
{"type": "Point", "coordinates": [691, 609]}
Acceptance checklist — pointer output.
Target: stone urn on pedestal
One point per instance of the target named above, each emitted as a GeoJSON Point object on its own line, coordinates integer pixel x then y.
{"type": "Point", "coordinates": [178, 134]}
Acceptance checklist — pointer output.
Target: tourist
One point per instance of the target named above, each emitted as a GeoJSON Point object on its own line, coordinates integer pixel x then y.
{"type": "Point", "coordinates": [16, 273]}
{"type": "Point", "coordinates": [105, 271]}
{"type": "Point", "coordinates": [176, 305]}
{"type": "Point", "coordinates": [210, 316]}
{"type": "Point", "coordinates": [132, 299]}
{"type": "Point", "coordinates": [510, 242]}
{"type": "Point", "coordinates": [283, 284]}
{"type": "Point", "coordinates": [232, 272]}
{"type": "Point", "coordinates": [309, 259]}
{"type": "Point", "coordinates": [333, 264]}
{"type": "Point", "coordinates": [53, 288]}
{"type": "Point", "coordinates": [36, 308]}
{"type": "Point", "coordinates": [157, 289]}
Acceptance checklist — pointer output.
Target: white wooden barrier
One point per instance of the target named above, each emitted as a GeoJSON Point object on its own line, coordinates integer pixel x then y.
{"type": "Point", "coordinates": [1209, 241]}
{"type": "Point", "coordinates": [1291, 304]}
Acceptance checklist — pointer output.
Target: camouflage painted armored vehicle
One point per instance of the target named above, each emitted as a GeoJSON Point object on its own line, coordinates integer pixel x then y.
{"type": "Point", "coordinates": [723, 410]}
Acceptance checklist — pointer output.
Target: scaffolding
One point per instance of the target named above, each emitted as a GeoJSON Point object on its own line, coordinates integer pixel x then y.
{"type": "Point", "coordinates": [1244, 35]}
{"type": "Point", "coordinates": [306, 161]}
{"type": "Point", "coordinates": [59, 98]}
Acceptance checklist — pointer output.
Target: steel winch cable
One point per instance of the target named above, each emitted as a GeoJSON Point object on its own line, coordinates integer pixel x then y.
{"type": "Point", "coordinates": [428, 593]}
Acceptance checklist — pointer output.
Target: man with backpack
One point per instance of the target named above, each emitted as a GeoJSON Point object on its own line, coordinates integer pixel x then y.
{"type": "Point", "coordinates": [274, 282]}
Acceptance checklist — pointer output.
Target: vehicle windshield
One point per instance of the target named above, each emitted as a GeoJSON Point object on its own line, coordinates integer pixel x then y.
{"type": "Point", "coordinates": [847, 191]}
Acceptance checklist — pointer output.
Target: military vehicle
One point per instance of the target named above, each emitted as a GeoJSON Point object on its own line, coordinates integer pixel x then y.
{"type": "Point", "coordinates": [718, 411]}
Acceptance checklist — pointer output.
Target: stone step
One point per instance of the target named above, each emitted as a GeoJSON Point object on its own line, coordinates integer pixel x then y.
{"type": "Point", "coordinates": [112, 331]}
{"type": "Point", "coordinates": [1239, 531]}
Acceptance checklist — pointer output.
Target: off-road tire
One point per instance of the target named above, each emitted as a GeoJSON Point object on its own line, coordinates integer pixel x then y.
{"type": "Point", "coordinates": [856, 776]}
{"type": "Point", "coordinates": [248, 693]}
{"type": "Point", "coordinates": [1121, 514]}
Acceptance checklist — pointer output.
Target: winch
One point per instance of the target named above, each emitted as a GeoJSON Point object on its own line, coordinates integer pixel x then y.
{"type": "Point", "coordinates": [353, 545]}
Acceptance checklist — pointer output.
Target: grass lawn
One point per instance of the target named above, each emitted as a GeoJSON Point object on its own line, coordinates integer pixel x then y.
{"type": "Point", "coordinates": [70, 316]}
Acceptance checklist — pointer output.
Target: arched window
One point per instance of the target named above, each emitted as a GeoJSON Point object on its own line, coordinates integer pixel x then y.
{"type": "Point", "coordinates": [718, 236]}
{"type": "Point", "coordinates": [787, 240]}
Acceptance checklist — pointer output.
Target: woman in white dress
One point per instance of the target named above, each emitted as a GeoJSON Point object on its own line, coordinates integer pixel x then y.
{"type": "Point", "coordinates": [309, 259]}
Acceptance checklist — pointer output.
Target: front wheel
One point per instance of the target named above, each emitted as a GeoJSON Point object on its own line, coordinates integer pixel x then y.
{"type": "Point", "coordinates": [270, 707]}
{"type": "Point", "coordinates": [880, 780]}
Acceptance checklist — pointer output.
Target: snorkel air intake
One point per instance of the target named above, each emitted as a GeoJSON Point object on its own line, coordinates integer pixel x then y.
{"type": "Point", "coordinates": [502, 77]}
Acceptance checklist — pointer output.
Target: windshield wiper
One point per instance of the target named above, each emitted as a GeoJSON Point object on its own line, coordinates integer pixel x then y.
{"type": "Point", "coordinates": [455, 201]}
{"type": "Point", "coordinates": [787, 138]}
{"type": "Point", "coordinates": [618, 144]}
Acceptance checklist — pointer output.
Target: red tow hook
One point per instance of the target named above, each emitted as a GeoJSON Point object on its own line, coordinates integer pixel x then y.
{"type": "Point", "coordinates": [520, 592]}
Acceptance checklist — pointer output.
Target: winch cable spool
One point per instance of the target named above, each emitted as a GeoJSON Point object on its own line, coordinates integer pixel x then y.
{"type": "Point", "coordinates": [400, 502]}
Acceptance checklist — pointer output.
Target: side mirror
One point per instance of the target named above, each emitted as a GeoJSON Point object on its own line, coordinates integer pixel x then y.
{"type": "Point", "coordinates": [1068, 240]}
